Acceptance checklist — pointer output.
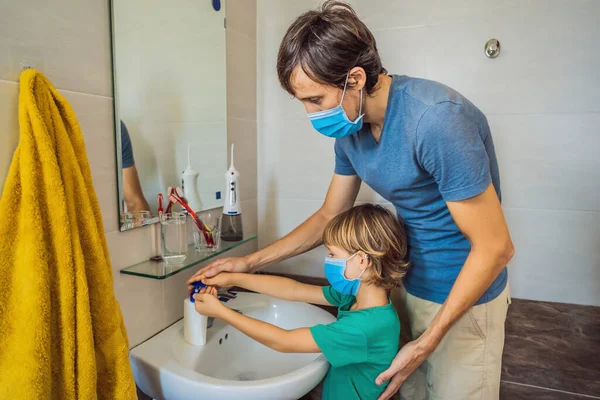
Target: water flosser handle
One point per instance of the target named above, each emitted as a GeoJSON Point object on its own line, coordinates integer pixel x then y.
{"type": "Point", "coordinates": [232, 198]}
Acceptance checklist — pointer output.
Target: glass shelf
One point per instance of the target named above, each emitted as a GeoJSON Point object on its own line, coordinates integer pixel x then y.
{"type": "Point", "coordinates": [160, 270]}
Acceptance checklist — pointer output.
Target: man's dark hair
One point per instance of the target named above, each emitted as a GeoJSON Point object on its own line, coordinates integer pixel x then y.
{"type": "Point", "coordinates": [327, 43]}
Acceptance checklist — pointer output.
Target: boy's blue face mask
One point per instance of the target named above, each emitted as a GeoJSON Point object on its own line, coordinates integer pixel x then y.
{"type": "Point", "coordinates": [334, 272]}
{"type": "Point", "coordinates": [334, 122]}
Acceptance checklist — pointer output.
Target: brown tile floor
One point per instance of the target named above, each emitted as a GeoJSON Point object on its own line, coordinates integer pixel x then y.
{"type": "Point", "coordinates": [553, 345]}
{"type": "Point", "coordinates": [511, 391]}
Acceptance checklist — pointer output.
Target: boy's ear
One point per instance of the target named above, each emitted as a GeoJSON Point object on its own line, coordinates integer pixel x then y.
{"type": "Point", "coordinates": [365, 260]}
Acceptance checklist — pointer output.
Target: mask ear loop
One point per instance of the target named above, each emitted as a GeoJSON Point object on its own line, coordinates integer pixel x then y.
{"type": "Point", "coordinates": [345, 86]}
{"type": "Point", "coordinates": [346, 266]}
{"type": "Point", "coordinates": [352, 256]}
{"type": "Point", "coordinates": [360, 107]}
{"type": "Point", "coordinates": [344, 94]}
{"type": "Point", "coordinates": [366, 257]}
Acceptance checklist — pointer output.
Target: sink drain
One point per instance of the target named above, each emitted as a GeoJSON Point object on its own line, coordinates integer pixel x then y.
{"type": "Point", "coordinates": [247, 376]}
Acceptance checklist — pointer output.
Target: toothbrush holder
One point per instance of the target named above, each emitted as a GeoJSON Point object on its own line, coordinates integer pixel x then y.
{"type": "Point", "coordinates": [212, 222]}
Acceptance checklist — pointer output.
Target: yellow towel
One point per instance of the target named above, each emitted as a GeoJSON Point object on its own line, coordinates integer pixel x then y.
{"type": "Point", "coordinates": [62, 334]}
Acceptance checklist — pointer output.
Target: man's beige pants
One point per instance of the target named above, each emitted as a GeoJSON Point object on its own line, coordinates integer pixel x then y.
{"type": "Point", "coordinates": [467, 363]}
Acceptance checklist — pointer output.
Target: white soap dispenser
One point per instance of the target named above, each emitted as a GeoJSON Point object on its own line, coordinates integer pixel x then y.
{"type": "Point", "coordinates": [189, 184]}
{"type": "Point", "coordinates": [194, 324]}
{"type": "Point", "coordinates": [231, 222]}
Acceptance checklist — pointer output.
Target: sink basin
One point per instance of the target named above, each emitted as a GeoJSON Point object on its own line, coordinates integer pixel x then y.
{"type": "Point", "coordinates": [231, 365]}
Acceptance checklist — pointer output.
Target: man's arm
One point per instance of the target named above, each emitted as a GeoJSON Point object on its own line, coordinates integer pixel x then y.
{"type": "Point", "coordinates": [132, 191]}
{"type": "Point", "coordinates": [481, 220]}
{"type": "Point", "coordinates": [341, 196]}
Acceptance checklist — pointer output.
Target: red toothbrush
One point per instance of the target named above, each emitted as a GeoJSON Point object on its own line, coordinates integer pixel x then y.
{"type": "Point", "coordinates": [208, 236]}
{"type": "Point", "coordinates": [160, 205]}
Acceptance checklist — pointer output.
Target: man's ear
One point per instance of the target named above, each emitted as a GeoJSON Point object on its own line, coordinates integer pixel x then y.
{"type": "Point", "coordinates": [357, 78]}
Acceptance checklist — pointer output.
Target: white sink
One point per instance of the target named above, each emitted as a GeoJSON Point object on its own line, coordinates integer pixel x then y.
{"type": "Point", "coordinates": [231, 366]}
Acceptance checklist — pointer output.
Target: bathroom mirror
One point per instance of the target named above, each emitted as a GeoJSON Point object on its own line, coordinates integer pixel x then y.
{"type": "Point", "coordinates": [170, 101]}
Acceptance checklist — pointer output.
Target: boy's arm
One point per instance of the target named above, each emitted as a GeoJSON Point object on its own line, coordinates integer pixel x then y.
{"type": "Point", "coordinates": [276, 286]}
{"type": "Point", "coordinates": [293, 341]}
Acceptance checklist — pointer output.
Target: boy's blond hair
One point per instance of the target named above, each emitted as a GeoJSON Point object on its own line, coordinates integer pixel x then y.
{"type": "Point", "coordinates": [375, 231]}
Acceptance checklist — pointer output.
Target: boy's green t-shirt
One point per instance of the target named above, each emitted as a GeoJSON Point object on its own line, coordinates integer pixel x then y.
{"type": "Point", "coordinates": [359, 346]}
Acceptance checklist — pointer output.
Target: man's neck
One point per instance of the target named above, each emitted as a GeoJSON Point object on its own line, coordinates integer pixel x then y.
{"type": "Point", "coordinates": [376, 106]}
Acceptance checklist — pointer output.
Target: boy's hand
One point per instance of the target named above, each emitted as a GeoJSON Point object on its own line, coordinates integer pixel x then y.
{"type": "Point", "coordinates": [207, 303]}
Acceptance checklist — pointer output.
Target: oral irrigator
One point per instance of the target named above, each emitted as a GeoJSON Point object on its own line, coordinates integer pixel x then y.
{"type": "Point", "coordinates": [231, 221]}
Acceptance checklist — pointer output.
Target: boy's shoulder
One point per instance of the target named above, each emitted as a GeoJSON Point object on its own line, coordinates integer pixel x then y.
{"type": "Point", "coordinates": [373, 321]}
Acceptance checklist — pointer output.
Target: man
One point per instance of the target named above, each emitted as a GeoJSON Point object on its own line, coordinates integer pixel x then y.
{"type": "Point", "coordinates": [429, 151]}
{"type": "Point", "coordinates": [132, 189]}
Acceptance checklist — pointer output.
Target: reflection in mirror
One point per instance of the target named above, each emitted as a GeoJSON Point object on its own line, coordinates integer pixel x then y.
{"type": "Point", "coordinates": [170, 105]}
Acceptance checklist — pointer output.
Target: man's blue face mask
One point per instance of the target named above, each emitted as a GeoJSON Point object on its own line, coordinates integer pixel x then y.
{"type": "Point", "coordinates": [334, 122]}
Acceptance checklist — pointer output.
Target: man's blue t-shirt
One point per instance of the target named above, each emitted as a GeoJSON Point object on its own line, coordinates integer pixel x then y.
{"type": "Point", "coordinates": [436, 146]}
{"type": "Point", "coordinates": [127, 160]}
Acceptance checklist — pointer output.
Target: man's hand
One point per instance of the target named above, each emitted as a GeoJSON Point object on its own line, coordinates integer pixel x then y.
{"type": "Point", "coordinates": [207, 303]}
{"type": "Point", "coordinates": [405, 363]}
{"type": "Point", "coordinates": [232, 264]}
{"type": "Point", "coordinates": [224, 279]}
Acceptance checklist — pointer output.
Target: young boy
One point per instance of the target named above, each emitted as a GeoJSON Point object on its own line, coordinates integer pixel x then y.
{"type": "Point", "coordinates": [367, 258]}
